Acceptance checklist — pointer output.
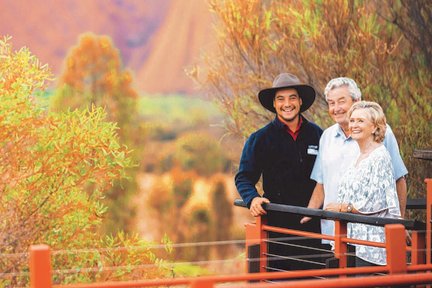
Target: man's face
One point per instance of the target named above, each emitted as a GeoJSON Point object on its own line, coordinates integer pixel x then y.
{"type": "Point", "coordinates": [287, 104]}
{"type": "Point", "coordinates": [339, 102]}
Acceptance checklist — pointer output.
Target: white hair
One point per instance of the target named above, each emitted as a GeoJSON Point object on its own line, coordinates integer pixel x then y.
{"type": "Point", "coordinates": [355, 92]}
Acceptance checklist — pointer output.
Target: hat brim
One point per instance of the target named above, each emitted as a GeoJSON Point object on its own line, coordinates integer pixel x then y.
{"type": "Point", "coordinates": [307, 94]}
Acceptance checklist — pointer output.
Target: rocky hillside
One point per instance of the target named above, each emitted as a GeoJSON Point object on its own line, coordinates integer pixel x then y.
{"type": "Point", "coordinates": [157, 38]}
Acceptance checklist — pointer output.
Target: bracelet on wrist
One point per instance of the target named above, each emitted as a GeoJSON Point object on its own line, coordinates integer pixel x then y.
{"type": "Point", "coordinates": [350, 208]}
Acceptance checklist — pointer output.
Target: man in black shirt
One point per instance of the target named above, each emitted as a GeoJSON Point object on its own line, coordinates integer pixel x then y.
{"type": "Point", "coordinates": [283, 153]}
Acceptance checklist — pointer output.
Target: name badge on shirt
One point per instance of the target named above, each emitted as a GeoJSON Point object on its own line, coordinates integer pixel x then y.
{"type": "Point", "coordinates": [312, 150]}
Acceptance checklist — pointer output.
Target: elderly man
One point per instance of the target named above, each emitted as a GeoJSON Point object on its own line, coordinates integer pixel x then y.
{"type": "Point", "coordinates": [283, 153]}
{"type": "Point", "coordinates": [337, 150]}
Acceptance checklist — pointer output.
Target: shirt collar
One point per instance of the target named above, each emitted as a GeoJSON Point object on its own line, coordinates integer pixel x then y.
{"type": "Point", "coordinates": [281, 125]}
{"type": "Point", "coordinates": [295, 134]}
{"type": "Point", "coordinates": [338, 132]}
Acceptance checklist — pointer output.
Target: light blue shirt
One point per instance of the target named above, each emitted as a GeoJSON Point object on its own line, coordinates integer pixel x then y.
{"type": "Point", "coordinates": [336, 153]}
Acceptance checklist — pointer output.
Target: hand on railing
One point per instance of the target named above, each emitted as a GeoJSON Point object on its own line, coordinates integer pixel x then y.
{"type": "Point", "coordinates": [256, 208]}
{"type": "Point", "coordinates": [305, 220]}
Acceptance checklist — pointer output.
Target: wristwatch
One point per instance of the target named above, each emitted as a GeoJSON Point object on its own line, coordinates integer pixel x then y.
{"type": "Point", "coordinates": [350, 208]}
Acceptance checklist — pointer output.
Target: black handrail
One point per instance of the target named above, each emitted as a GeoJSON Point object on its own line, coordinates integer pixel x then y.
{"type": "Point", "coordinates": [416, 204]}
{"type": "Point", "coordinates": [348, 217]}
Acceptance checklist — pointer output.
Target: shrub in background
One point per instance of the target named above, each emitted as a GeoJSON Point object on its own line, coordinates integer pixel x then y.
{"type": "Point", "coordinates": [93, 76]}
{"type": "Point", "coordinates": [55, 169]}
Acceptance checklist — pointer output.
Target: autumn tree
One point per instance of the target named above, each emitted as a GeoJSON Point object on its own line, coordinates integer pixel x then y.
{"type": "Point", "coordinates": [320, 40]}
{"type": "Point", "coordinates": [93, 76]}
{"type": "Point", "coordinates": [47, 163]}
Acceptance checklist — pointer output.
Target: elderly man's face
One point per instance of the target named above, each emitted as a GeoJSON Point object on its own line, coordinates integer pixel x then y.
{"type": "Point", "coordinates": [339, 102]}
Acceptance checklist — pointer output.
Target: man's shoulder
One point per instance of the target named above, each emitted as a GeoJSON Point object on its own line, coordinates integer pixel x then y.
{"type": "Point", "coordinates": [262, 131]}
{"type": "Point", "coordinates": [312, 126]}
{"type": "Point", "coordinates": [388, 131]}
{"type": "Point", "coordinates": [389, 137]}
{"type": "Point", "coordinates": [331, 131]}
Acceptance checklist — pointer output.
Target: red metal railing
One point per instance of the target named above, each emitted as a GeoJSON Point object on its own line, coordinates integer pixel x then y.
{"type": "Point", "coordinates": [397, 270]}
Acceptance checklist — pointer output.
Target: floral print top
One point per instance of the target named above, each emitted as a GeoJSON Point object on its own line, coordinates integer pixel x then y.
{"type": "Point", "coordinates": [371, 188]}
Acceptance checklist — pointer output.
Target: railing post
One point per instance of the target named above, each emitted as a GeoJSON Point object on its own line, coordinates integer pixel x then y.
{"type": "Point", "coordinates": [396, 248]}
{"type": "Point", "coordinates": [428, 219]}
{"type": "Point", "coordinates": [255, 246]}
{"type": "Point", "coordinates": [341, 246]}
{"type": "Point", "coordinates": [418, 255]}
{"type": "Point", "coordinates": [40, 266]}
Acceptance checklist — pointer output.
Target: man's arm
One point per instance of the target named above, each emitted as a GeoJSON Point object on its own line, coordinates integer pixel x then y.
{"type": "Point", "coordinates": [399, 168]}
{"type": "Point", "coordinates": [248, 175]}
{"type": "Point", "coordinates": [401, 188]}
{"type": "Point", "coordinates": [316, 200]}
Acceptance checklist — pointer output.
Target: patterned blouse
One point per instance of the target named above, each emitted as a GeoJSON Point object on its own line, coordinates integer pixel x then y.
{"type": "Point", "coordinates": [371, 188]}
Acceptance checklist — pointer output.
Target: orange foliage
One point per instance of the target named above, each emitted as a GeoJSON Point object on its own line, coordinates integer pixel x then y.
{"type": "Point", "coordinates": [94, 75]}
{"type": "Point", "coordinates": [47, 160]}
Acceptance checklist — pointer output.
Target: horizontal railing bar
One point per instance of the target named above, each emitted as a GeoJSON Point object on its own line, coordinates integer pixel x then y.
{"type": "Point", "coordinates": [416, 204]}
{"type": "Point", "coordinates": [412, 203]}
{"type": "Point", "coordinates": [347, 217]}
{"type": "Point", "coordinates": [368, 281]}
{"type": "Point", "coordinates": [234, 278]}
{"type": "Point", "coordinates": [297, 232]}
{"type": "Point", "coordinates": [419, 267]}
{"type": "Point", "coordinates": [321, 236]}
{"type": "Point", "coordinates": [284, 243]}
{"type": "Point", "coordinates": [257, 276]}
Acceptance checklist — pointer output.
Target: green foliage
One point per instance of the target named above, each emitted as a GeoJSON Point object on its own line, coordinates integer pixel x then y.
{"type": "Point", "coordinates": [201, 153]}
{"type": "Point", "coordinates": [178, 110]}
{"type": "Point", "coordinates": [186, 270]}
{"type": "Point", "coordinates": [112, 258]}
{"type": "Point", "coordinates": [167, 118]}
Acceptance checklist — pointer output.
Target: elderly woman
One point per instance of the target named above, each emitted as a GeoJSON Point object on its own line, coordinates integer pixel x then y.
{"type": "Point", "coordinates": [368, 186]}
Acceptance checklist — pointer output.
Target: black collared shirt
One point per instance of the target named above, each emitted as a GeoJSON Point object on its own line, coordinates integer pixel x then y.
{"type": "Point", "coordinates": [284, 164]}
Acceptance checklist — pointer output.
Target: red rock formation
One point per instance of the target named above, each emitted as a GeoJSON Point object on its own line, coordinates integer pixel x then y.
{"type": "Point", "coordinates": [157, 38]}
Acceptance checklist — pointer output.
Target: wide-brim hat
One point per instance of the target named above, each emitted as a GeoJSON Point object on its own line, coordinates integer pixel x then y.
{"type": "Point", "coordinates": [284, 81]}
